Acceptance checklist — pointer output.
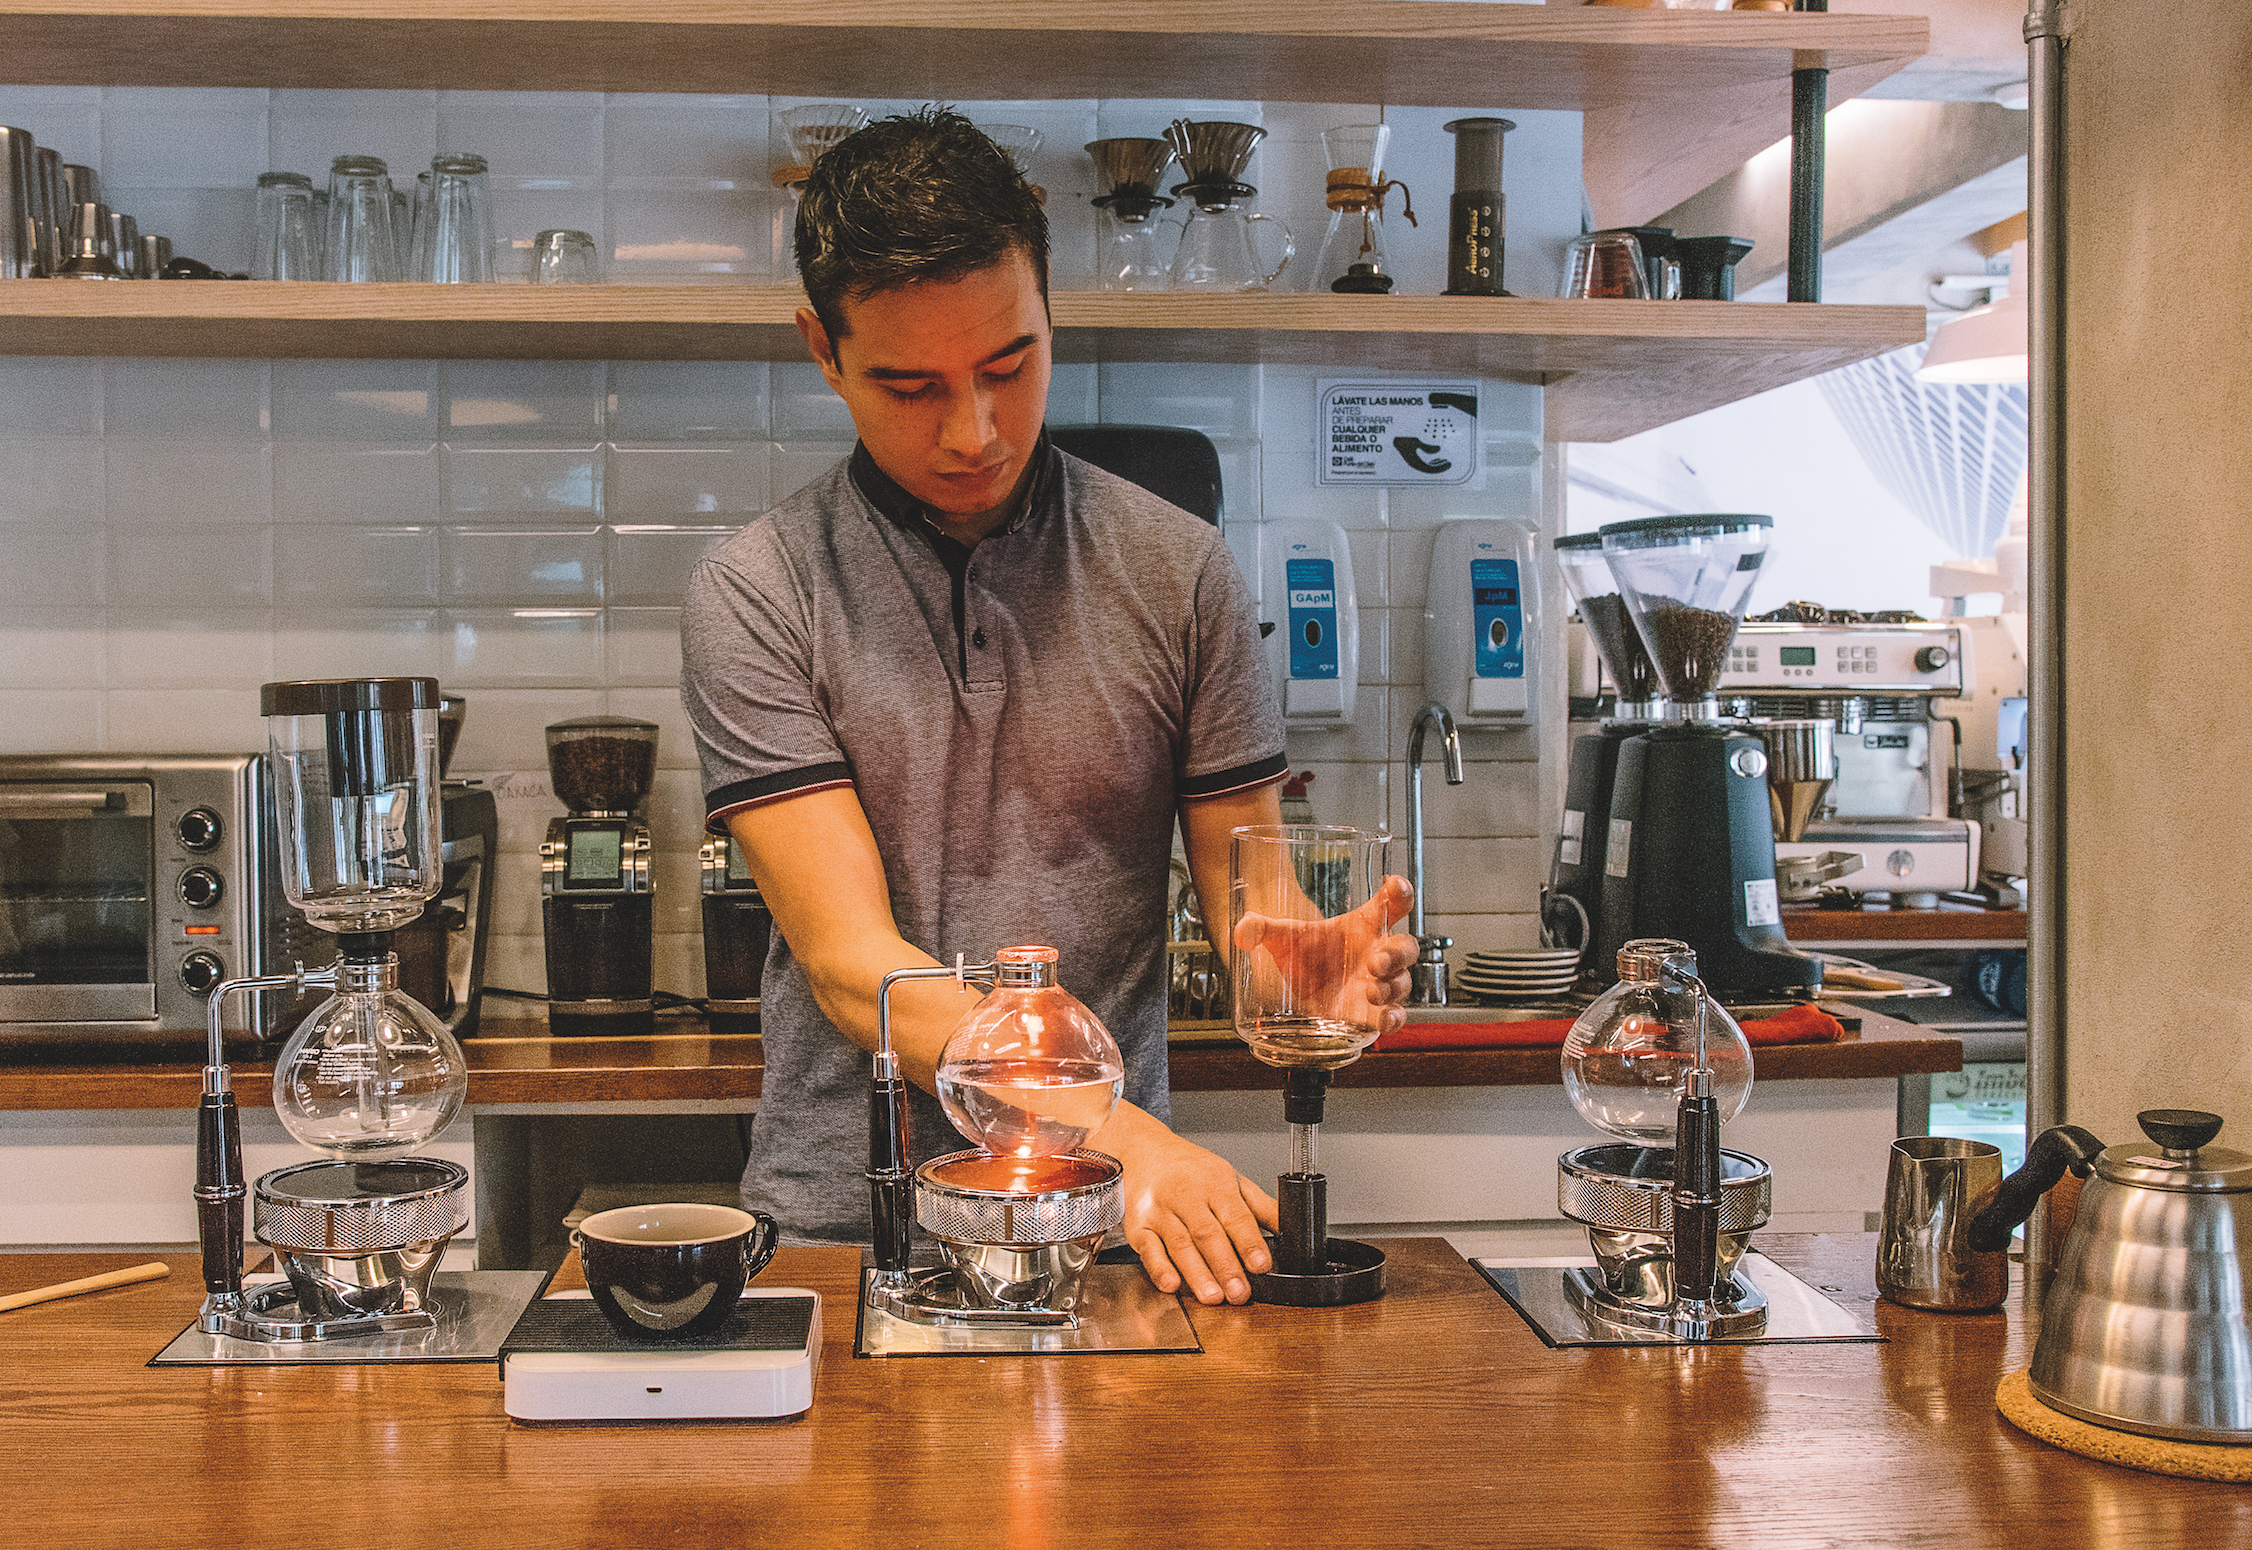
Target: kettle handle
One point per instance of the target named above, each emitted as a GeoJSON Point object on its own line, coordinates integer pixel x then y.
{"type": "Point", "coordinates": [2052, 1152]}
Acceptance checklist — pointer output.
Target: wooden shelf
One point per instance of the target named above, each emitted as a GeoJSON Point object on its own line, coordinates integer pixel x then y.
{"type": "Point", "coordinates": [1612, 368]}
{"type": "Point", "coordinates": [1674, 98]}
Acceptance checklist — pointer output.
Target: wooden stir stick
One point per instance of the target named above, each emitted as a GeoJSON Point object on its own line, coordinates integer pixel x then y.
{"type": "Point", "coordinates": [152, 1271]}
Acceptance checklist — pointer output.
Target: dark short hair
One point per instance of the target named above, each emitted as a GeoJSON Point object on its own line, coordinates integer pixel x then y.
{"type": "Point", "coordinates": [920, 196]}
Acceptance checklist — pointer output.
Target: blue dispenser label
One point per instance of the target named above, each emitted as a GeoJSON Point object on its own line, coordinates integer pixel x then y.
{"type": "Point", "coordinates": [1313, 617]}
{"type": "Point", "coordinates": [1498, 614]}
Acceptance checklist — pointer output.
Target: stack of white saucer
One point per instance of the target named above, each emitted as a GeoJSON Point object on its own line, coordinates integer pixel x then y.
{"type": "Point", "coordinates": [1519, 974]}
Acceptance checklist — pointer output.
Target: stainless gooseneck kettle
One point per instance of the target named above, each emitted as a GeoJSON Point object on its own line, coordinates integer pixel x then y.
{"type": "Point", "coordinates": [2147, 1325]}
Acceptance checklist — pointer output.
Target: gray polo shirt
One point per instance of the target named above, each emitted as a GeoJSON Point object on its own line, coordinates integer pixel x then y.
{"type": "Point", "coordinates": [1019, 722]}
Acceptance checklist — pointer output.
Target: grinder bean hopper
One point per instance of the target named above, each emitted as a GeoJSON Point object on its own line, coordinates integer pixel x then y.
{"type": "Point", "coordinates": [1028, 1076]}
{"type": "Point", "coordinates": [371, 1074]}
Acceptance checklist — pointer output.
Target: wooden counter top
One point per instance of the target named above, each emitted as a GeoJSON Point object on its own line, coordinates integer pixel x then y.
{"type": "Point", "coordinates": [1876, 925]}
{"type": "Point", "coordinates": [1433, 1416]}
{"type": "Point", "coordinates": [514, 1062]}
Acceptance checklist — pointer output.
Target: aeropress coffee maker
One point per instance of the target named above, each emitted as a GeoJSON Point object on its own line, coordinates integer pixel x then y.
{"type": "Point", "coordinates": [1027, 1076]}
{"type": "Point", "coordinates": [1689, 847]}
{"type": "Point", "coordinates": [368, 1077]}
{"type": "Point", "coordinates": [1571, 903]}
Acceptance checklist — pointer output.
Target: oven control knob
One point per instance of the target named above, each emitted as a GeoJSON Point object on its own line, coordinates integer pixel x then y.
{"type": "Point", "coordinates": [199, 829]}
{"type": "Point", "coordinates": [202, 972]}
{"type": "Point", "coordinates": [1932, 658]}
{"type": "Point", "coordinates": [200, 887]}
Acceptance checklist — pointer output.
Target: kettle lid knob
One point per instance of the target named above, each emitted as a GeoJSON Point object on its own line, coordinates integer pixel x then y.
{"type": "Point", "coordinates": [2179, 1130]}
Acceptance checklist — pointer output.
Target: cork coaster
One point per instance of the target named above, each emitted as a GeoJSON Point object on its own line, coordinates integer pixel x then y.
{"type": "Point", "coordinates": [2130, 1450]}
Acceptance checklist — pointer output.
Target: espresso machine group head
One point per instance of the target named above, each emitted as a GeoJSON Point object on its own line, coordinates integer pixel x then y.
{"type": "Point", "coordinates": [595, 896]}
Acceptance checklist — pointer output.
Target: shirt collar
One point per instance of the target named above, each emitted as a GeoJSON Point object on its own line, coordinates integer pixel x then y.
{"type": "Point", "coordinates": [885, 494]}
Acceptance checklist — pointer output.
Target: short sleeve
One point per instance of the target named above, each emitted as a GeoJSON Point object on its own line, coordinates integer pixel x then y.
{"type": "Point", "coordinates": [747, 679]}
{"type": "Point", "coordinates": [1234, 738]}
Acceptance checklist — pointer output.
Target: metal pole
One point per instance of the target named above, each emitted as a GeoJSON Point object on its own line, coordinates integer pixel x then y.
{"type": "Point", "coordinates": [1810, 106]}
{"type": "Point", "coordinates": [2045, 690]}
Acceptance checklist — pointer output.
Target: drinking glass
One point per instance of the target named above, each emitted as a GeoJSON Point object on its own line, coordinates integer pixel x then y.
{"type": "Point", "coordinates": [453, 228]}
{"type": "Point", "coordinates": [288, 243]}
{"type": "Point", "coordinates": [1294, 960]}
{"type": "Point", "coordinates": [564, 258]}
{"type": "Point", "coordinates": [362, 240]}
{"type": "Point", "coordinates": [1606, 264]}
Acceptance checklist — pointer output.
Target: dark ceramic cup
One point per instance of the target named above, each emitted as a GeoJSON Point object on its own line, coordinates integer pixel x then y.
{"type": "Point", "coordinates": [674, 1271]}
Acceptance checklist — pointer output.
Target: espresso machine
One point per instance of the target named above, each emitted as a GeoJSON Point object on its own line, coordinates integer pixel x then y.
{"type": "Point", "coordinates": [367, 1078]}
{"type": "Point", "coordinates": [1689, 846]}
{"type": "Point", "coordinates": [1868, 688]}
{"type": "Point", "coordinates": [595, 893]}
{"type": "Point", "coordinates": [738, 928]}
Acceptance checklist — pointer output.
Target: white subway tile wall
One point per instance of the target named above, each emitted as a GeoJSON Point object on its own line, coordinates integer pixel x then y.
{"type": "Point", "coordinates": [175, 532]}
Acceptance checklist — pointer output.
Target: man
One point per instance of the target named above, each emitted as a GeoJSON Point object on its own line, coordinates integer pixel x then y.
{"type": "Point", "coordinates": [952, 695]}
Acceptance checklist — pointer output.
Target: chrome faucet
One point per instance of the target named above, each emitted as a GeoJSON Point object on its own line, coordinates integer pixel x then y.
{"type": "Point", "coordinates": [1427, 984]}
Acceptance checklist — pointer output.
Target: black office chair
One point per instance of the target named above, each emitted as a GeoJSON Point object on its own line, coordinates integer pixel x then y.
{"type": "Point", "coordinates": [1170, 461]}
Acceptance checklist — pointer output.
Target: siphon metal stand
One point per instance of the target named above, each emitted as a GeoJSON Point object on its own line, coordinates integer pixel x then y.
{"type": "Point", "coordinates": [1312, 1269]}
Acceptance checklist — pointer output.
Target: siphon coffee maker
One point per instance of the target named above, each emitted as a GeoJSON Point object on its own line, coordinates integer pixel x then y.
{"type": "Point", "coordinates": [1353, 260]}
{"type": "Point", "coordinates": [1130, 251]}
{"type": "Point", "coordinates": [1027, 1076]}
{"type": "Point", "coordinates": [596, 898]}
{"type": "Point", "coordinates": [1217, 252]}
{"type": "Point", "coordinates": [1689, 847]}
{"type": "Point", "coordinates": [1292, 958]}
{"type": "Point", "coordinates": [371, 1074]}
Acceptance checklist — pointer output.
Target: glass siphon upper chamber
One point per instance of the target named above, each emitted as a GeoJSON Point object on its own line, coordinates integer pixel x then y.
{"type": "Point", "coordinates": [354, 767]}
{"type": "Point", "coordinates": [1030, 1072]}
{"type": "Point", "coordinates": [1627, 1059]}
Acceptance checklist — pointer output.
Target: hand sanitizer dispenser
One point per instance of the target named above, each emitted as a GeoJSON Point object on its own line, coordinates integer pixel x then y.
{"type": "Point", "coordinates": [1315, 647]}
{"type": "Point", "coordinates": [1481, 614]}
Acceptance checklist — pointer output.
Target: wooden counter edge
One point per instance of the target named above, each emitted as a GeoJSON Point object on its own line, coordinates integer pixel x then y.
{"type": "Point", "coordinates": [516, 1070]}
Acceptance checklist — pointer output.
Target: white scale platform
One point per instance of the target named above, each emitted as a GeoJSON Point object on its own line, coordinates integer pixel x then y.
{"type": "Point", "coordinates": [760, 1367]}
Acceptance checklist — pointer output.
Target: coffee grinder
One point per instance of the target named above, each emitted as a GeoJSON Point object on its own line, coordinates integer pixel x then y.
{"type": "Point", "coordinates": [738, 929]}
{"type": "Point", "coordinates": [1571, 905]}
{"type": "Point", "coordinates": [595, 894]}
{"type": "Point", "coordinates": [371, 1074]}
{"type": "Point", "coordinates": [1027, 1077]}
{"type": "Point", "coordinates": [1689, 848]}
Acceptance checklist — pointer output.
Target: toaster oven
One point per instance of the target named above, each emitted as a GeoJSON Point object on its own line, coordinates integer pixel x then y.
{"type": "Point", "coordinates": [130, 887]}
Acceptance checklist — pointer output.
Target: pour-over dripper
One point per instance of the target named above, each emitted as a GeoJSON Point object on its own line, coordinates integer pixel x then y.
{"type": "Point", "coordinates": [1686, 580]}
{"type": "Point", "coordinates": [1214, 154]}
{"type": "Point", "coordinates": [814, 130]}
{"type": "Point", "coordinates": [1595, 592]}
{"type": "Point", "coordinates": [1131, 254]}
{"type": "Point", "coordinates": [1129, 169]}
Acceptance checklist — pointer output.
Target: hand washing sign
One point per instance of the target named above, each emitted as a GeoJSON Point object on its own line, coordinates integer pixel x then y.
{"type": "Point", "coordinates": [1398, 433]}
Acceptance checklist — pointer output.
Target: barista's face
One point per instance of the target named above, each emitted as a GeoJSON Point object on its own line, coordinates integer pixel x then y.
{"type": "Point", "coordinates": [947, 382]}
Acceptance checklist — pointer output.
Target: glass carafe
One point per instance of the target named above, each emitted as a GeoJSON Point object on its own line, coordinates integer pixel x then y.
{"type": "Point", "coordinates": [1134, 248]}
{"type": "Point", "coordinates": [1353, 260]}
{"type": "Point", "coordinates": [371, 1073]}
{"type": "Point", "coordinates": [1218, 252]}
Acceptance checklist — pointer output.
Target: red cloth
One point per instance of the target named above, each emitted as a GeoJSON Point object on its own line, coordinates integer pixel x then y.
{"type": "Point", "coordinates": [1799, 1025]}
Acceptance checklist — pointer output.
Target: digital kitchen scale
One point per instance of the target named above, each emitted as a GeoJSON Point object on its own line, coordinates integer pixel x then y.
{"type": "Point", "coordinates": [564, 1364]}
